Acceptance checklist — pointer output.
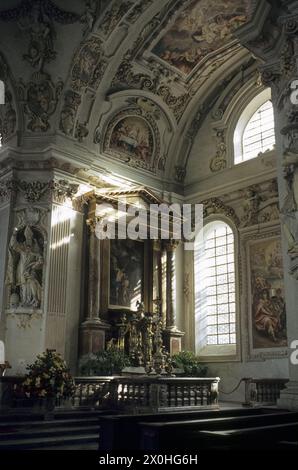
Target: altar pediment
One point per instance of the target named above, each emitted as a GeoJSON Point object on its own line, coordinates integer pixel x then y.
{"type": "Point", "coordinates": [137, 195]}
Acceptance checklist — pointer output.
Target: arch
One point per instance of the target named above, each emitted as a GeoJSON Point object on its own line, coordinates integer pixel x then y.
{"type": "Point", "coordinates": [203, 102]}
{"type": "Point", "coordinates": [241, 151]}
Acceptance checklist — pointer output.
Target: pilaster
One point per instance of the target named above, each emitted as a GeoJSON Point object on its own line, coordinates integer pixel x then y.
{"type": "Point", "coordinates": [272, 36]}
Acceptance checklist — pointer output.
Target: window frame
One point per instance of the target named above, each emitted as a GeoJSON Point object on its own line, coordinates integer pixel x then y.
{"type": "Point", "coordinates": [226, 352]}
{"type": "Point", "coordinates": [250, 109]}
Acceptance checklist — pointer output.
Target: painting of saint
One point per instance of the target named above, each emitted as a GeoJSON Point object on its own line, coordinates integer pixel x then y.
{"type": "Point", "coordinates": [202, 27]}
{"type": "Point", "coordinates": [268, 309]}
{"type": "Point", "coordinates": [126, 273]}
{"type": "Point", "coordinates": [133, 136]}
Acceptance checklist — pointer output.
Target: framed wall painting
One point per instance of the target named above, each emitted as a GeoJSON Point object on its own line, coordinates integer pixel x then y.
{"type": "Point", "coordinates": [267, 327]}
{"type": "Point", "coordinates": [126, 281]}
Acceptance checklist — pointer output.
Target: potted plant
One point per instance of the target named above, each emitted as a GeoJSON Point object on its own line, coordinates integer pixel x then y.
{"type": "Point", "coordinates": [109, 362]}
{"type": "Point", "coordinates": [189, 364]}
{"type": "Point", "coordinates": [47, 381]}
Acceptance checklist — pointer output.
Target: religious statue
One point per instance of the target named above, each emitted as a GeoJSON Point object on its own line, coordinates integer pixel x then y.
{"type": "Point", "coordinates": [25, 266]}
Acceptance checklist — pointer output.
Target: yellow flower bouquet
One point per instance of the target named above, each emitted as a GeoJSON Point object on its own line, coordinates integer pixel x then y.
{"type": "Point", "coordinates": [48, 377]}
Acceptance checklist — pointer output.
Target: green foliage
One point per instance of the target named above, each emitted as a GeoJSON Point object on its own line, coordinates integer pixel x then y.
{"type": "Point", "coordinates": [48, 377]}
{"type": "Point", "coordinates": [190, 364]}
{"type": "Point", "coordinates": [109, 362]}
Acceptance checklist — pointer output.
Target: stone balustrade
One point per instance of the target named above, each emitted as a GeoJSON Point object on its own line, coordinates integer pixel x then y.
{"type": "Point", "coordinates": [263, 391]}
{"type": "Point", "coordinates": [137, 394]}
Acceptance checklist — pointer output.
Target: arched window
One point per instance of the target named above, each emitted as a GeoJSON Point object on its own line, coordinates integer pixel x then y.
{"type": "Point", "coordinates": [215, 290]}
{"type": "Point", "coordinates": [254, 133]}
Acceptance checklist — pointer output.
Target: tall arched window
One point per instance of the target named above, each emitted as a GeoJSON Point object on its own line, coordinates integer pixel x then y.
{"type": "Point", "coordinates": [254, 133]}
{"type": "Point", "coordinates": [215, 290]}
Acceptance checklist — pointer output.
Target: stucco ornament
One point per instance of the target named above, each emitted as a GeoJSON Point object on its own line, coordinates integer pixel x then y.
{"type": "Point", "coordinates": [219, 162]}
{"type": "Point", "coordinates": [36, 18]}
{"type": "Point", "coordinates": [40, 97]}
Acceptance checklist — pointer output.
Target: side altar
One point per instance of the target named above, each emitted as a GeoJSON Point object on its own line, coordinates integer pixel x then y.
{"type": "Point", "coordinates": [130, 274]}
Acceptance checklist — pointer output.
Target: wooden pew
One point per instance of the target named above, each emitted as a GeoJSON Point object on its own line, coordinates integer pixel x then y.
{"type": "Point", "coordinates": [203, 433]}
{"type": "Point", "coordinates": [259, 438]}
{"type": "Point", "coordinates": [122, 432]}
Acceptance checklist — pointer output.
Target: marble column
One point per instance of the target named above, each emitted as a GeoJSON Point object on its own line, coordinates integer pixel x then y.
{"type": "Point", "coordinates": [93, 328]}
{"type": "Point", "coordinates": [172, 335]}
{"type": "Point", "coordinates": [272, 36]}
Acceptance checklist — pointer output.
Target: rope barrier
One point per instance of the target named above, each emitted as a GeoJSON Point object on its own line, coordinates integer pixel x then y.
{"type": "Point", "coordinates": [234, 389]}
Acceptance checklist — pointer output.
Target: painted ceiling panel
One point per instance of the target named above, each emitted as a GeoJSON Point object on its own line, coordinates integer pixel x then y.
{"type": "Point", "coordinates": [200, 29]}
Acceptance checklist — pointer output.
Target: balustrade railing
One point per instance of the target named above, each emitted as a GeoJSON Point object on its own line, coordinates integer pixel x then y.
{"type": "Point", "coordinates": [135, 394]}
{"type": "Point", "coordinates": [263, 391]}
{"type": "Point", "coordinates": [161, 393]}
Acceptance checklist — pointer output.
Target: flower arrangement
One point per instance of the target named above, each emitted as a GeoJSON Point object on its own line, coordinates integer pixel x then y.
{"type": "Point", "coordinates": [48, 377]}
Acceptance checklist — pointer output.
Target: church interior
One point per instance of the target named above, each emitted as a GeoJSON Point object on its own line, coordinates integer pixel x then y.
{"type": "Point", "coordinates": [114, 332]}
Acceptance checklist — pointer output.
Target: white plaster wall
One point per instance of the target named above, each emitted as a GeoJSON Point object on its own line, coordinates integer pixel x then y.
{"type": "Point", "coordinates": [231, 373]}
{"type": "Point", "coordinates": [200, 179]}
{"type": "Point", "coordinates": [22, 342]}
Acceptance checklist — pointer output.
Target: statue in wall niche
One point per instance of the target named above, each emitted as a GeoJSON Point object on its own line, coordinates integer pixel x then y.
{"type": "Point", "coordinates": [25, 268]}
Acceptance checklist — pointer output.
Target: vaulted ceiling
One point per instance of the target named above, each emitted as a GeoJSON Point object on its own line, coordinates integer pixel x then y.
{"type": "Point", "coordinates": [129, 81]}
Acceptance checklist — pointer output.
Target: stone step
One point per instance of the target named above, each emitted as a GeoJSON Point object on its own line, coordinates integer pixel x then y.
{"type": "Point", "coordinates": [49, 442]}
{"type": "Point", "coordinates": [75, 446]}
{"type": "Point", "coordinates": [11, 426]}
{"type": "Point", "coordinates": [29, 415]}
{"type": "Point", "coordinates": [19, 417]}
{"type": "Point", "coordinates": [28, 434]}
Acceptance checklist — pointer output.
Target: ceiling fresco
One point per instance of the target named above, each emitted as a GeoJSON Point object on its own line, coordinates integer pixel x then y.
{"type": "Point", "coordinates": [200, 29]}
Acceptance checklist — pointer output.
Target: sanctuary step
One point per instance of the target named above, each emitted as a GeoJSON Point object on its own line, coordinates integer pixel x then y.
{"type": "Point", "coordinates": [212, 429]}
{"type": "Point", "coordinates": [69, 430]}
{"type": "Point", "coordinates": [259, 431]}
{"type": "Point", "coordinates": [123, 432]}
